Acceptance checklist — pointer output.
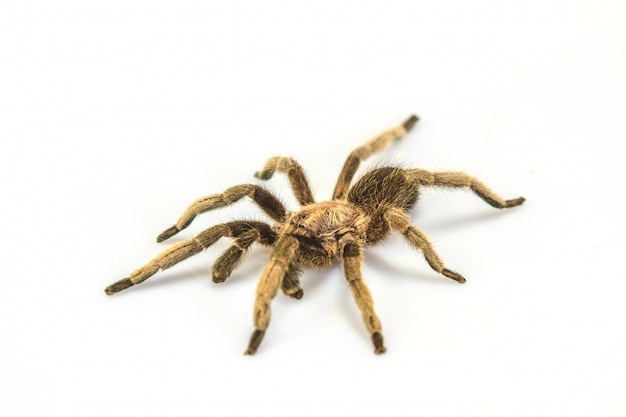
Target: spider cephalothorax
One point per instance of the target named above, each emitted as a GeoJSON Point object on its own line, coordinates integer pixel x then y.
{"type": "Point", "coordinates": [319, 233]}
{"type": "Point", "coordinates": [320, 229]}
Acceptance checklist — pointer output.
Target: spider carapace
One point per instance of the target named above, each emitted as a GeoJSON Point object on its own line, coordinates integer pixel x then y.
{"type": "Point", "coordinates": [319, 233]}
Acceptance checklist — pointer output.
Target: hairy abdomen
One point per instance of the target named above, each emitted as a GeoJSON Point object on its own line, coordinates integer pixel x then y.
{"type": "Point", "coordinates": [379, 190]}
{"type": "Point", "coordinates": [389, 186]}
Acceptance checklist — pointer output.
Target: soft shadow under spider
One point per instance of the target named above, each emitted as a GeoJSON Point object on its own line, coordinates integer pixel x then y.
{"type": "Point", "coordinates": [385, 266]}
{"type": "Point", "coordinates": [463, 220]}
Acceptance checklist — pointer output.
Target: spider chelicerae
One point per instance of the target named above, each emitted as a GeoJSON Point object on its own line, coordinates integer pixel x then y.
{"type": "Point", "coordinates": [319, 233]}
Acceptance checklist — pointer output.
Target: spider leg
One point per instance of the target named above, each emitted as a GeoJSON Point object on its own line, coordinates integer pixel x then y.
{"type": "Point", "coordinates": [283, 255]}
{"type": "Point", "coordinates": [259, 195]}
{"type": "Point", "coordinates": [245, 234]}
{"type": "Point", "coordinates": [400, 221]}
{"type": "Point", "coordinates": [352, 259]}
{"type": "Point", "coordinates": [182, 251]}
{"type": "Point", "coordinates": [366, 150]}
{"type": "Point", "coordinates": [460, 179]}
{"type": "Point", "coordinates": [295, 173]}
{"type": "Point", "coordinates": [291, 282]}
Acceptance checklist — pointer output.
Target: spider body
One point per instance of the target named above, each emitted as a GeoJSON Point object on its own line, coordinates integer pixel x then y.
{"type": "Point", "coordinates": [319, 228]}
{"type": "Point", "coordinates": [320, 233]}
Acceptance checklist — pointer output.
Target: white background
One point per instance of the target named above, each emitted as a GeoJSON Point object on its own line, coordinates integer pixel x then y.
{"type": "Point", "coordinates": [115, 115]}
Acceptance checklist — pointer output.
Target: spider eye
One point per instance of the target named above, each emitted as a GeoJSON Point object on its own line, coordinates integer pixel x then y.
{"type": "Point", "coordinates": [303, 216]}
{"type": "Point", "coordinates": [306, 229]}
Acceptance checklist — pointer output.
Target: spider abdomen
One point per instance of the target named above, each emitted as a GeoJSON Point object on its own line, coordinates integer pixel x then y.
{"type": "Point", "coordinates": [378, 191]}
{"type": "Point", "coordinates": [388, 186]}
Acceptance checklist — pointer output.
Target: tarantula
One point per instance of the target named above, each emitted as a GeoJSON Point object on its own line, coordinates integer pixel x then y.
{"type": "Point", "coordinates": [319, 233]}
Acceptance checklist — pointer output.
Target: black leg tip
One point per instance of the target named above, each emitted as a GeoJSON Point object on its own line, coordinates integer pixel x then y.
{"type": "Point", "coordinates": [379, 347]}
{"type": "Point", "coordinates": [167, 234]}
{"type": "Point", "coordinates": [118, 286]}
{"type": "Point", "coordinates": [255, 341]}
{"type": "Point", "coordinates": [298, 294]}
{"type": "Point", "coordinates": [453, 275]}
{"type": "Point", "coordinates": [265, 175]}
{"type": "Point", "coordinates": [410, 122]}
{"type": "Point", "coordinates": [218, 280]}
{"type": "Point", "coordinates": [515, 202]}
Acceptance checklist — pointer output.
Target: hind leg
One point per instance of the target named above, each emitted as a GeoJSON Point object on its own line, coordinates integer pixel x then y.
{"type": "Point", "coordinates": [400, 221]}
{"type": "Point", "coordinates": [463, 180]}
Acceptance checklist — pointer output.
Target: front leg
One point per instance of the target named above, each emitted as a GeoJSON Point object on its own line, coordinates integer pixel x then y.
{"type": "Point", "coordinates": [174, 255]}
{"type": "Point", "coordinates": [291, 282]}
{"type": "Point", "coordinates": [295, 173]}
{"type": "Point", "coordinates": [265, 200]}
{"type": "Point", "coordinates": [352, 259]}
{"type": "Point", "coordinates": [245, 233]}
{"type": "Point", "coordinates": [282, 255]}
